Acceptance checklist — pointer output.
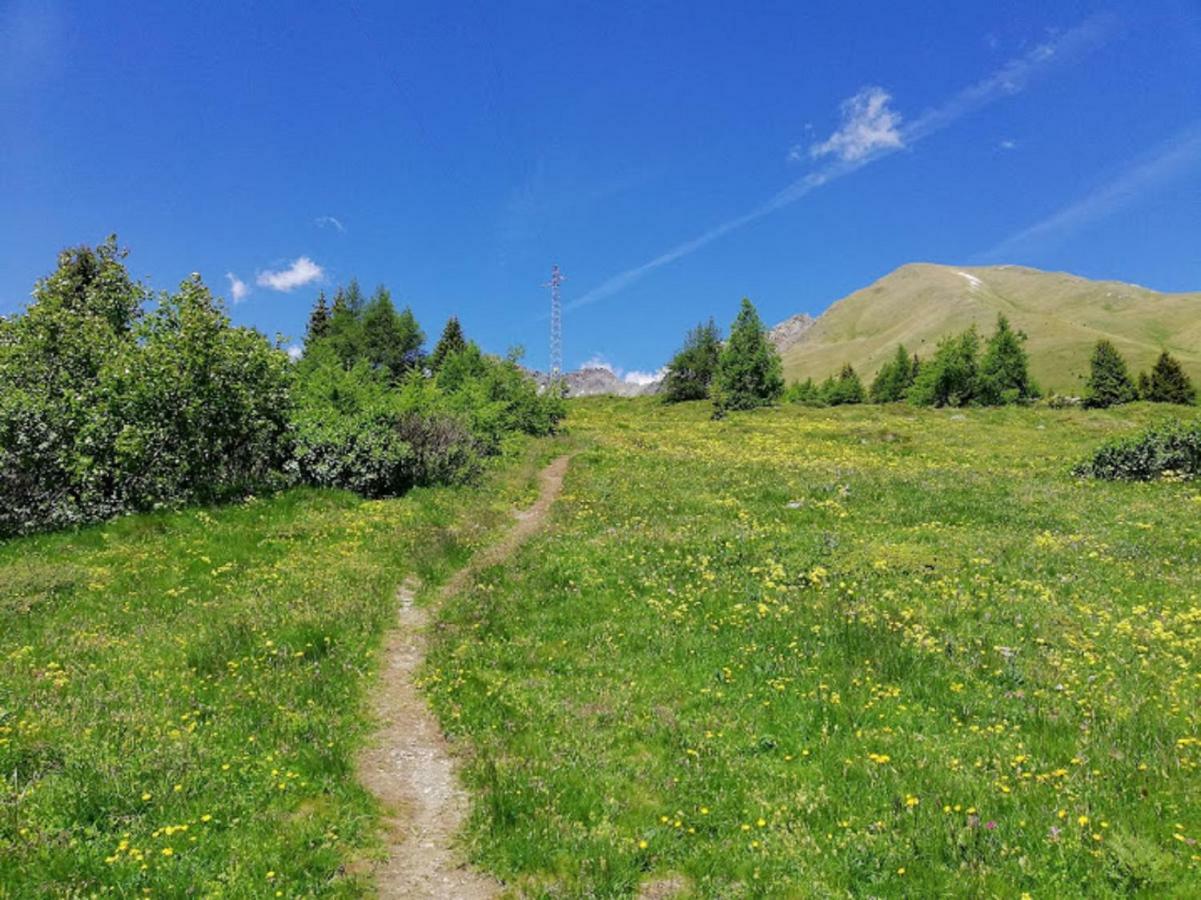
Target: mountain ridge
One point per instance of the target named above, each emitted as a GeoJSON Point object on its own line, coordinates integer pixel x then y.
{"type": "Point", "coordinates": [1063, 314]}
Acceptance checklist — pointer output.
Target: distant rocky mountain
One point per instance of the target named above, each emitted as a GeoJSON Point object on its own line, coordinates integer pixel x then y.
{"type": "Point", "coordinates": [791, 330]}
{"type": "Point", "coordinates": [592, 381]}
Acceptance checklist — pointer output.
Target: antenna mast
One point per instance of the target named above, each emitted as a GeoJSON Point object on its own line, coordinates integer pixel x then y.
{"type": "Point", "coordinates": [556, 323]}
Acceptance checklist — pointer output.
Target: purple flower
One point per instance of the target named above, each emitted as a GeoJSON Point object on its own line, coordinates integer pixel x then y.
{"type": "Point", "coordinates": [990, 824]}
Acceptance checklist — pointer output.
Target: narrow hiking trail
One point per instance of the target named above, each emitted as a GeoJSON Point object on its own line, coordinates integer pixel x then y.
{"type": "Point", "coordinates": [408, 765]}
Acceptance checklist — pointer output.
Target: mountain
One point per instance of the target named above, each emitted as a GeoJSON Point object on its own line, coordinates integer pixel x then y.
{"type": "Point", "coordinates": [593, 380]}
{"type": "Point", "coordinates": [788, 332]}
{"type": "Point", "coordinates": [1064, 316]}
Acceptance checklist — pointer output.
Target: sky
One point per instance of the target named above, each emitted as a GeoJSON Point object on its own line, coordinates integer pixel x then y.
{"type": "Point", "coordinates": [671, 158]}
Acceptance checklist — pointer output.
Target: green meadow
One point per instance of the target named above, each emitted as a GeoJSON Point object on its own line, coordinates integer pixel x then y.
{"type": "Point", "coordinates": [860, 651]}
{"type": "Point", "coordinates": [843, 652]}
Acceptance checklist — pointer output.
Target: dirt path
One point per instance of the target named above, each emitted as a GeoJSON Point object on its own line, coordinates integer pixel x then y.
{"type": "Point", "coordinates": [408, 765]}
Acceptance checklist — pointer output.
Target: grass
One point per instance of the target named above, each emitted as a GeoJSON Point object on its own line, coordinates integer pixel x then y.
{"type": "Point", "coordinates": [181, 694]}
{"type": "Point", "coordinates": [867, 652]}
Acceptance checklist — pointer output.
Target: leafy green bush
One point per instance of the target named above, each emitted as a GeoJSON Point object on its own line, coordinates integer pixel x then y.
{"type": "Point", "coordinates": [353, 430]}
{"type": "Point", "coordinates": [104, 409]}
{"type": "Point", "coordinates": [804, 392]}
{"type": "Point", "coordinates": [843, 390]}
{"type": "Point", "coordinates": [1169, 449]}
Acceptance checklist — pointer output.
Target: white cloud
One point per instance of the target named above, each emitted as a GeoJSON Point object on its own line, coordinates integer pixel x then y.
{"type": "Point", "coordinates": [1008, 144]}
{"type": "Point", "coordinates": [868, 125]}
{"type": "Point", "coordinates": [238, 289]}
{"type": "Point", "coordinates": [295, 352]}
{"type": "Point", "coordinates": [303, 271]}
{"type": "Point", "coordinates": [331, 222]}
{"type": "Point", "coordinates": [1176, 157]}
{"type": "Point", "coordinates": [1004, 81]}
{"type": "Point", "coordinates": [635, 377]}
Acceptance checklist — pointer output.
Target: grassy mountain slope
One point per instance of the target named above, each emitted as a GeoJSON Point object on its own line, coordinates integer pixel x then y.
{"type": "Point", "coordinates": [1064, 315]}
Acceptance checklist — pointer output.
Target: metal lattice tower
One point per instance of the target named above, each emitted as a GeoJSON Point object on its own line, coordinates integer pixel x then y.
{"type": "Point", "coordinates": [556, 323]}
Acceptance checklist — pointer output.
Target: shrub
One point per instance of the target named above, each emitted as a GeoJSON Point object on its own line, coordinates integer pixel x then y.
{"type": "Point", "coordinates": [105, 410]}
{"type": "Point", "coordinates": [748, 370]}
{"type": "Point", "coordinates": [1167, 449]}
{"type": "Point", "coordinates": [1109, 381]}
{"type": "Point", "coordinates": [691, 370]}
{"type": "Point", "coordinates": [353, 430]}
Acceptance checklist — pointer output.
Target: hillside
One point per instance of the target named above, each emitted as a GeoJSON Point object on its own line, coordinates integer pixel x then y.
{"type": "Point", "coordinates": [1064, 315]}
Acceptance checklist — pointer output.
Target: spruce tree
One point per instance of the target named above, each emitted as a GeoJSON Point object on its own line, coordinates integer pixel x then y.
{"type": "Point", "coordinates": [412, 339]}
{"type": "Point", "coordinates": [343, 333]}
{"type": "Point", "coordinates": [691, 370]}
{"type": "Point", "coordinates": [381, 336]}
{"type": "Point", "coordinates": [846, 388]}
{"type": "Point", "coordinates": [451, 341]}
{"type": "Point", "coordinates": [892, 382]}
{"type": "Point", "coordinates": [318, 321]}
{"type": "Point", "coordinates": [1168, 382]}
{"type": "Point", "coordinates": [749, 368]}
{"type": "Point", "coordinates": [1004, 370]}
{"type": "Point", "coordinates": [1109, 381]}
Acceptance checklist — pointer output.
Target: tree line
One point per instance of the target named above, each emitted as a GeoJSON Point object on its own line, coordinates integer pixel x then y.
{"type": "Point", "coordinates": [113, 399]}
{"type": "Point", "coordinates": [965, 370]}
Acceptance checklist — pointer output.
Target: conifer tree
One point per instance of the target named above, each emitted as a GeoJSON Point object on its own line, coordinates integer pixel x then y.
{"type": "Point", "coordinates": [451, 341]}
{"type": "Point", "coordinates": [748, 369]}
{"type": "Point", "coordinates": [1109, 381]}
{"type": "Point", "coordinates": [383, 337]}
{"type": "Point", "coordinates": [1004, 370]}
{"type": "Point", "coordinates": [846, 388]}
{"type": "Point", "coordinates": [318, 326]}
{"type": "Point", "coordinates": [1168, 382]}
{"type": "Point", "coordinates": [691, 370]}
{"type": "Point", "coordinates": [951, 376]}
{"type": "Point", "coordinates": [892, 382]}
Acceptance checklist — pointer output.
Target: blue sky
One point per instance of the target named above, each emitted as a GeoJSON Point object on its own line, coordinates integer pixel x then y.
{"type": "Point", "coordinates": [670, 157]}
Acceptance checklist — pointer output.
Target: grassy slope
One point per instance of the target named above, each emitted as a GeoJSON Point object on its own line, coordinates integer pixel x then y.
{"type": "Point", "coordinates": [180, 694]}
{"type": "Point", "coordinates": [867, 651]}
{"type": "Point", "coordinates": [1063, 315]}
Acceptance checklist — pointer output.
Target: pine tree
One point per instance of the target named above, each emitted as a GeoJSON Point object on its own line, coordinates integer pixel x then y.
{"type": "Point", "coordinates": [892, 382]}
{"type": "Point", "coordinates": [1109, 381]}
{"type": "Point", "coordinates": [344, 332]}
{"type": "Point", "coordinates": [1168, 382]}
{"type": "Point", "coordinates": [452, 341]}
{"type": "Point", "coordinates": [845, 389]}
{"type": "Point", "coordinates": [691, 370]}
{"type": "Point", "coordinates": [382, 338]}
{"type": "Point", "coordinates": [318, 321]}
{"type": "Point", "coordinates": [1004, 370]}
{"type": "Point", "coordinates": [748, 369]}
{"type": "Point", "coordinates": [412, 339]}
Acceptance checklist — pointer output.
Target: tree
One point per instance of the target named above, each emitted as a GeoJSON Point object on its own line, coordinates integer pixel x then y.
{"type": "Point", "coordinates": [845, 389]}
{"type": "Point", "coordinates": [318, 321]}
{"type": "Point", "coordinates": [390, 340]}
{"type": "Point", "coordinates": [412, 339]}
{"type": "Point", "coordinates": [950, 377]}
{"type": "Point", "coordinates": [1168, 382]}
{"type": "Point", "coordinates": [691, 370]}
{"type": "Point", "coordinates": [451, 341]}
{"type": "Point", "coordinates": [892, 382]}
{"type": "Point", "coordinates": [343, 332]}
{"type": "Point", "coordinates": [1109, 381]}
{"type": "Point", "coordinates": [748, 369]}
{"type": "Point", "coordinates": [1004, 370]}
{"type": "Point", "coordinates": [804, 392]}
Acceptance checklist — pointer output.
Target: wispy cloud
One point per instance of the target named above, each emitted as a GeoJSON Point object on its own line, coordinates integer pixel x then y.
{"type": "Point", "coordinates": [1007, 144]}
{"type": "Point", "coordinates": [303, 271]}
{"type": "Point", "coordinates": [1171, 159]}
{"type": "Point", "coordinates": [330, 222]}
{"type": "Point", "coordinates": [238, 289]}
{"type": "Point", "coordinates": [868, 125]}
{"type": "Point", "coordinates": [1009, 79]}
